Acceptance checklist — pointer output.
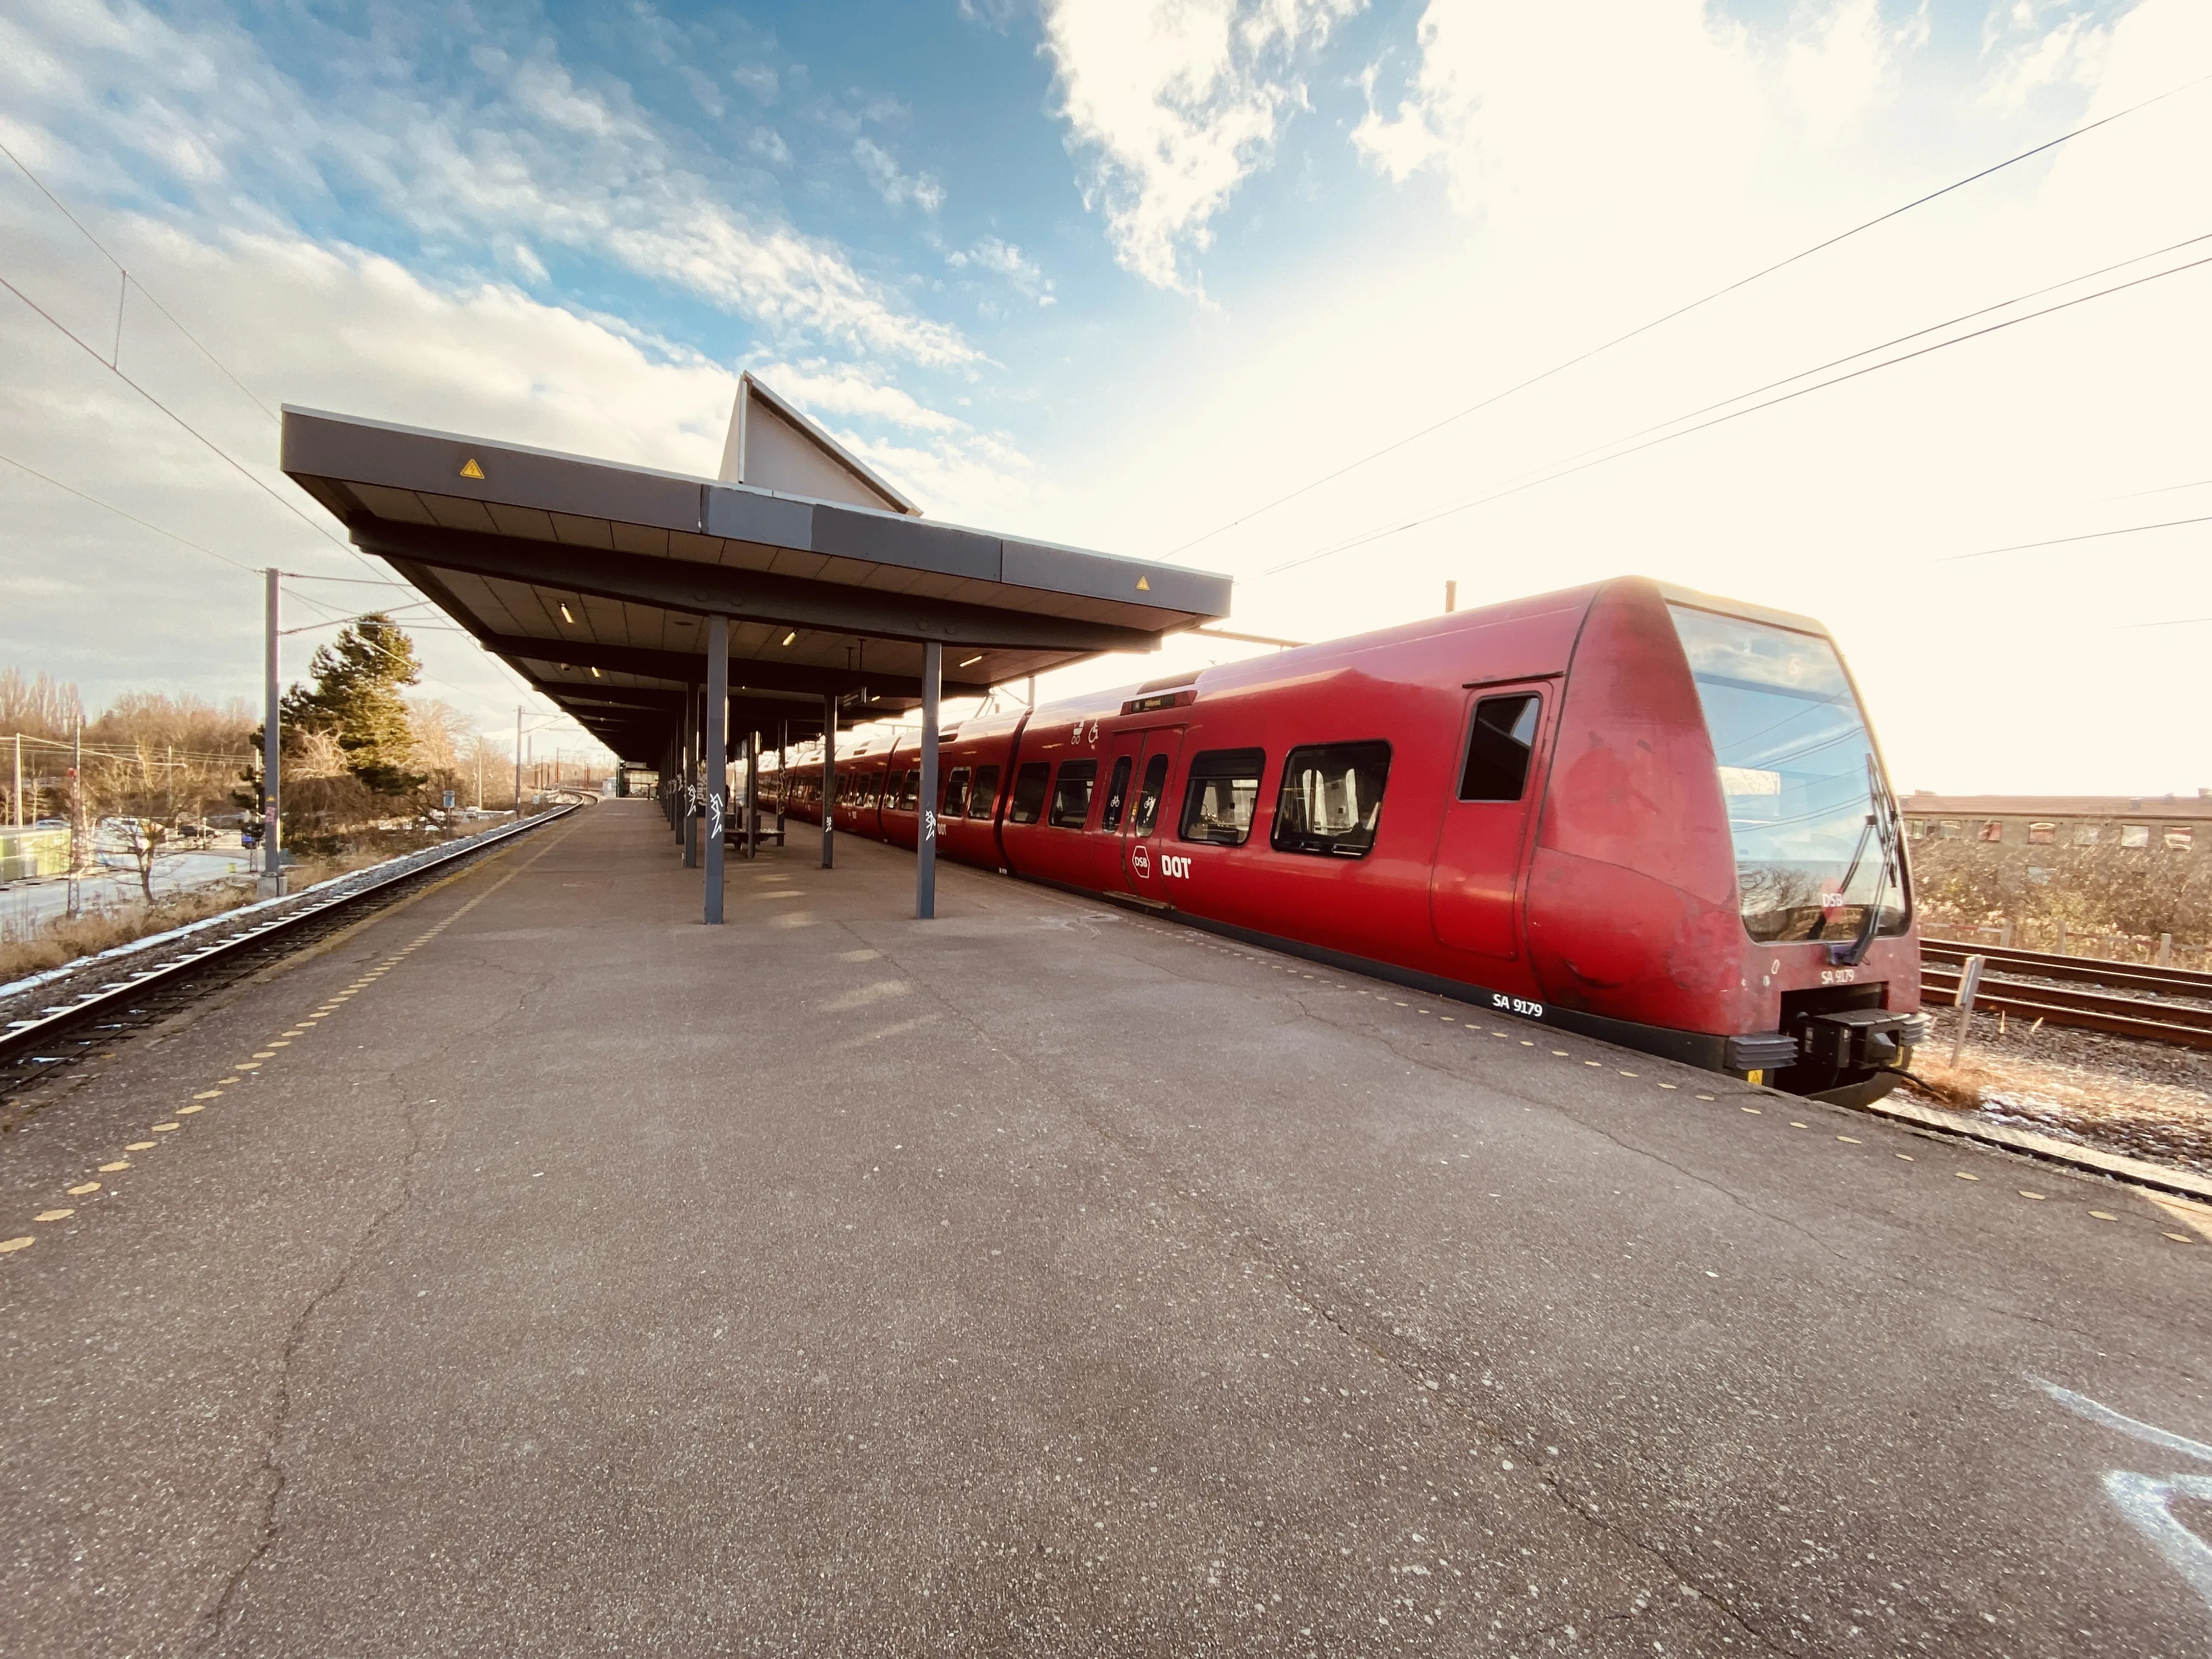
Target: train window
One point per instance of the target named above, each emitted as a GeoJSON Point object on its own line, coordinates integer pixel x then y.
{"type": "Point", "coordinates": [910, 792]}
{"type": "Point", "coordinates": [2135, 835]}
{"type": "Point", "coordinates": [1224, 789]}
{"type": "Point", "coordinates": [1117, 795]}
{"type": "Point", "coordinates": [2042, 834]}
{"type": "Point", "coordinates": [1071, 796]}
{"type": "Point", "coordinates": [1332, 799]}
{"type": "Point", "coordinates": [983, 795]}
{"type": "Point", "coordinates": [2178, 840]}
{"type": "Point", "coordinates": [955, 804]}
{"type": "Point", "coordinates": [1993, 830]}
{"type": "Point", "coordinates": [1498, 742]}
{"type": "Point", "coordinates": [875, 789]}
{"type": "Point", "coordinates": [1148, 798]}
{"type": "Point", "coordinates": [1027, 804]}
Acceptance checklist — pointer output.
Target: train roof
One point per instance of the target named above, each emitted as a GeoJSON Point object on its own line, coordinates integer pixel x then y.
{"type": "Point", "coordinates": [1305, 661]}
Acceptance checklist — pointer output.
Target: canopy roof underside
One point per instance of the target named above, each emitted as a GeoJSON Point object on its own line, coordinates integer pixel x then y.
{"type": "Point", "coordinates": [595, 581]}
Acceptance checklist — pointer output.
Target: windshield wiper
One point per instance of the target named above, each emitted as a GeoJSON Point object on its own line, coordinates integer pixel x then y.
{"type": "Point", "coordinates": [1883, 821]}
{"type": "Point", "coordinates": [1850, 871]}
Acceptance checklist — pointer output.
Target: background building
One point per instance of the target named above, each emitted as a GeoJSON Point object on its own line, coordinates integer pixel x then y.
{"type": "Point", "coordinates": [2176, 822]}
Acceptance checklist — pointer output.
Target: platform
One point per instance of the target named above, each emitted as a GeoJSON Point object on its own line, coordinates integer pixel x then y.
{"type": "Point", "coordinates": [559, 1275]}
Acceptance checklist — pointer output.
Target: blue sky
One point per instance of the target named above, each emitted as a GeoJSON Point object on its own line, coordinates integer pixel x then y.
{"type": "Point", "coordinates": [1120, 274]}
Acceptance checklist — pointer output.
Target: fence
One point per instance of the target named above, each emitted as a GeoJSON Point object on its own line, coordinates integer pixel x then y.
{"type": "Point", "coordinates": [28, 853]}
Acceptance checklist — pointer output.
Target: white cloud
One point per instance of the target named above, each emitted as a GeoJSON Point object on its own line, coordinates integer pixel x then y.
{"type": "Point", "coordinates": [527, 153]}
{"type": "Point", "coordinates": [1520, 113]}
{"type": "Point", "coordinates": [2030, 58]}
{"type": "Point", "coordinates": [1836, 69]}
{"type": "Point", "coordinates": [952, 470]}
{"type": "Point", "coordinates": [823, 389]}
{"type": "Point", "coordinates": [1175, 103]}
{"type": "Point", "coordinates": [328, 327]}
{"type": "Point", "coordinates": [1619, 161]}
{"type": "Point", "coordinates": [1003, 258]}
{"type": "Point", "coordinates": [897, 188]}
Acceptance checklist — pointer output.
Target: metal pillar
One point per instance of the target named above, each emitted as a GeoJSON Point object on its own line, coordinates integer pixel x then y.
{"type": "Point", "coordinates": [690, 829]}
{"type": "Point", "coordinates": [518, 762]}
{"type": "Point", "coordinates": [828, 782]}
{"type": "Point", "coordinates": [752, 794]}
{"type": "Point", "coordinates": [272, 752]}
{"type": "Point", "coordinates": [925, 862]}
{"type": "Point", "coordinates": [19, 781]}
{"type": "Point", "coordinates": [717, 757]}
{"type": "Point", "coordinates": [783, 773]}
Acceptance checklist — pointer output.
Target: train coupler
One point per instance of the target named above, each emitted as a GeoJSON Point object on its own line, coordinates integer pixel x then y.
{"type": "Point", "coordinates": [1860, 1039]}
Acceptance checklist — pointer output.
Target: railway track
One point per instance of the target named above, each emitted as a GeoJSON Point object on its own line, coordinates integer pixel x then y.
{"type": "Point", "coordinates": [2129, 1002]}
{"type": "Point", "coordinates": [2084, 970]}
{"type": "Point", "coordinates": [84, 1012]}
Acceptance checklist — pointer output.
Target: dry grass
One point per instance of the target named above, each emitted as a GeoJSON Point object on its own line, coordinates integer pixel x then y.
{"type": "Point", "coordinates": [65, 939]}
{"type": "Point", "coordinates": [1963, 1087]}
{"type": "Point", "coordinates": [36, 949]}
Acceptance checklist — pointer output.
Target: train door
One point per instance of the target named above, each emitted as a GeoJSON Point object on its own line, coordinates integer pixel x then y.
{"type": "Point", "coordinates": [1475, 890]}
{"type": "Point", "coordinates": [1148, 868]}
{"type": "Point", "coordinates": [1120, 757]}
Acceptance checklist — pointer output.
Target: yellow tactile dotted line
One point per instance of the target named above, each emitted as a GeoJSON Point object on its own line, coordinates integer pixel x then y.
{"type": "Point", "coordinates": [2190, 1213]}
{"type": "Point", "coordinates": [268, 1051]}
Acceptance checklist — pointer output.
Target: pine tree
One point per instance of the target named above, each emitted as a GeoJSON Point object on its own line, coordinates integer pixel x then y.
{"type": "Point", "coordinates": [356, 697]}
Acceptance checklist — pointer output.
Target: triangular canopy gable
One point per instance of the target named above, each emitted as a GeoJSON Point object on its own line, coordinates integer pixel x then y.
{"type": "Point", "coordinates": [772, 446]}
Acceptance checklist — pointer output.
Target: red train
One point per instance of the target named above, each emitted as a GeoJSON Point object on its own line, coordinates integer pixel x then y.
{"type": "Point", "coordinates": [1645, 814]}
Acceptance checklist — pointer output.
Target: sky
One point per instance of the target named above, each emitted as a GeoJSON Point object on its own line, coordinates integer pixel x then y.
{"type": "Point", "coordinates": [1262, 286]}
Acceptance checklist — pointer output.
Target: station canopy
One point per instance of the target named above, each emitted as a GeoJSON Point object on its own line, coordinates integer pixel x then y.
{"type": "Point", "coordinates": [595, 581]}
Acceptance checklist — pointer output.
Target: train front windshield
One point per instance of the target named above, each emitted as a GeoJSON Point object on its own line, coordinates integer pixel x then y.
{"type": "Point", "coordinates": [1812, 821]}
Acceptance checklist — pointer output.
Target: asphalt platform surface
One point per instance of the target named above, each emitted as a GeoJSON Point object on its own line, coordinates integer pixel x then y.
{"type": "Point", "coordinates": [545, 1272]}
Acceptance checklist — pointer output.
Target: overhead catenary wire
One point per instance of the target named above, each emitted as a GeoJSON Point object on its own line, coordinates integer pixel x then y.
{"type": "Point", "coordinates": [254, 570]}
{"type": "Point", "coordinates": [1549, 470]}
{"type": "Point", "coordinates": [1817, 368]}
{"type": "Point", "coordinates": [110, 507]}
{"type": "Point", "coordinates": [112, 363]}
{"type": "Point", "coordinates": [2087, 536]}
{"type": "Point", "coordinates": [123, 271]}
{"type": "Point", "coordinates": [2163, 490]}
{"type": "Point", "coordinates": [214, 448]}
{"type": "Point", "coordinates": [1684, 311]}
{"type": "Point", "coordinates": [1562, 469]}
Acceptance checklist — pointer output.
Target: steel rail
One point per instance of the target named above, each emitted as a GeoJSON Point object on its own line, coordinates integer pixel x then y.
{"type": "Point", "coordinates": [21, 1036]}
{"type": "Point", "coordinates": [2087, 971]}
{"type": "Point", "coordinates": [2131, 1016]}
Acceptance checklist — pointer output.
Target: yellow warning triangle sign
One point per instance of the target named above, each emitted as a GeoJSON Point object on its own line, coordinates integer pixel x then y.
{"type": "Point", "coordinates": [471, 470]}
{"type": "Point", "coordinates": [1143, 586]}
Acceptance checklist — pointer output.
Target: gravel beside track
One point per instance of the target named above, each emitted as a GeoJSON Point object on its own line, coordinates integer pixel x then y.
{"type": "Point", "coordinates": [2142, 1099]}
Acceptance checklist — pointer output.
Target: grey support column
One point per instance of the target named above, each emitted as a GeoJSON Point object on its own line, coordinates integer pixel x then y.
{"type": "Point", "coordinates": [690, 826]}
{"type": "Point", "coordinates": [783, 773]}
{"type": "Point", "coordinates": [717, 758]}
{"type": "Point", "coordinates": [828, 782]}
{"type": "Point", "coordinates": [925, 861]}
{"type": "Point", "coordinates": [752, 794]}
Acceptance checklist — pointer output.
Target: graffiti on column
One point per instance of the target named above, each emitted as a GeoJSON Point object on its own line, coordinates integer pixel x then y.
{"type": "Point", "coordinates": [2148, 1500]}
